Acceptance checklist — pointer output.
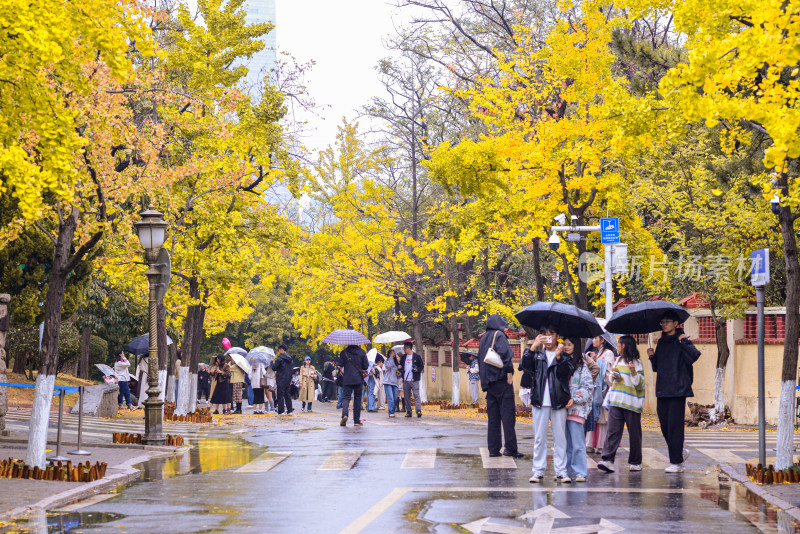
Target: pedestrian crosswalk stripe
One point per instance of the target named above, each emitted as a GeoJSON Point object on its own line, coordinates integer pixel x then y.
{"type": "Point", "coordinates": [498, 462]}
{"type": "Point", "coordinates": [654, 459]}
{"type": "Point", "coordinates": [264, 463]}
{"type": "Point", "coordinates": [722, 455]}
{"type": "Point", "coordinates": [341, 460]}
{"type": "Point", "coordinates": [419, 459]}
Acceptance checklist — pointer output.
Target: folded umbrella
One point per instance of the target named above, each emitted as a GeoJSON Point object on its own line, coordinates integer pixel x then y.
{"type": "Point", "coordinates": [465, 356]}
{"type": "Point", "coordinates": [346, 337]}
{"type": "Point", "coordinates": [566, 319]}
{"type": "Point", "coordinates": [395, 336]}
{"type": "Point", "coordinates": [140, 345]}
{"type": "Point", "coordinates": [644, 317]}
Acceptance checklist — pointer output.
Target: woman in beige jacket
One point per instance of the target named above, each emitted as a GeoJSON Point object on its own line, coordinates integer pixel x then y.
{"type": "Point", "coordinates": [307, 388]}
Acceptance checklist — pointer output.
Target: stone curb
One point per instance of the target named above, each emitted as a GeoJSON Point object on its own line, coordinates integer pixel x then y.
{"type": "Point", "coordinates": [116, 476]}
{"type": "Point", "coordinates": [102, 444]}
{"type": "Point", "coordinates": [785, 507]}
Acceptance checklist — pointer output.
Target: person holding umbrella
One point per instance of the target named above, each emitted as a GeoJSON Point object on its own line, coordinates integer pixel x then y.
{"type": "Point", "coordinates": [283, 367]}
{"type": "Point", "coordinates": [391, 374]}
{"type": "Point", "coordinates": [551, 371]}
{"type": "Point", "coordinates": [353, 365]}
{"type": "Point", "coordinates": [237, 384]}
{"type": "Point", "coordinates": [672, 361]}
{"type": "Point", "coordinates": [496, 382]}
{"type": "Point", "coordinates": [220, 393]}
{"type": "Point", "coordinates": [597, 421]}
{"type": "Point", "coordinates": [581, 389]}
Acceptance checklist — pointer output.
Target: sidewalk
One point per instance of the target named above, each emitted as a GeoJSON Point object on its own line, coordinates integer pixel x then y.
{"type": "Point", "coordinates": [783, 496]}
{"type": "Point", "coordinates": [19, 497]}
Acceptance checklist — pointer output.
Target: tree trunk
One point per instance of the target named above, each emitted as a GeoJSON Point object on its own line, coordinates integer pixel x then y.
{"type": "Point", "coordinates": [537, 269]}
{"type": "Point", "coordinates": [723, 353]}
{"type": "Point", "coordinates": [20, 363]}
{"type": "Point", "coordinates": [86, 337]}
{"type": "Point", "coordinates": [789, 373]}
{"type": "Point", "coordinates": [455, 362]}
{"type": "Point", "coordinates": [48, 357]}
{"type": "Point", "coordinates": [416, 320]}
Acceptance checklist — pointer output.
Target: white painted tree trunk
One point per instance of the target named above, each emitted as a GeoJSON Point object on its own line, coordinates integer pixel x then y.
{"type": "Point", "coordinates": [192, 392]}
{"type": "Point", "coordinates": [170, 388]}
{"type": "Point", "coordinates": [182, 405]}
{"type": "Point", "coordinates": [423, 386]}
{"type": "Point", "coordinates": [456, 387]}
{"type": "Point", "coordinates": [40, 418]}
{"type": "Point", "coordinates": [785, 425]}
{"type": "Point", "coordinates": [162, 384]}
{"type": "Point", "coordinates": [718, 412]}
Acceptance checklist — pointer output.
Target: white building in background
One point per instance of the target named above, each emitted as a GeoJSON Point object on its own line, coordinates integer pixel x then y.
{"type": "Point", "coordinates": [260, 65]}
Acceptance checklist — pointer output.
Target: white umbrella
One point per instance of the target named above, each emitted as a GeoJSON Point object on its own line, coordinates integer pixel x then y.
{"type": "Point", "coordinates": [373, 352]}
{"type": "Point", "coordinates": [105, 369]}
{"type": "Point", "coordinates": [239, 360]}
{"type": "Point", "coordinates": [395, 336]}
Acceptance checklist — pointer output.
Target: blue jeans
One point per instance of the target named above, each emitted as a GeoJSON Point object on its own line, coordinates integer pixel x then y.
{"type": "Point", "coordinates": [371, 394]}
{"type": "Point", "coordinates": [391, 397]}
{"type": "Point", "coordinates": [576, 449]}
{"type": "Point", "coordinates": [340, 398]}
{"type": "Point", "coordinates": [124, 393]}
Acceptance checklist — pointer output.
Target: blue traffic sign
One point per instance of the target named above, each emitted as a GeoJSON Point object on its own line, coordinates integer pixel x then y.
{"type": "Point", "coordinates": [759, 267]}
{"type": "Point", "coordinates": [609, 230]}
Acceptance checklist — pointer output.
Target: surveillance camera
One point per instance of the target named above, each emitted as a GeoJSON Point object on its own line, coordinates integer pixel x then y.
{"type": "Point", "coordinates": [574, 220]}
{"type": "Point", "coordinates": [560, 219]}
{"type": "Point", "coordinates": [554, 241]}
{"type": "Point", "coordinates": [775, 204]}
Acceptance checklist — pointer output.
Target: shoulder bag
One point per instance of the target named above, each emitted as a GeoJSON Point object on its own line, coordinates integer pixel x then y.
{"type": "Point", "coordinates": [492, 358]}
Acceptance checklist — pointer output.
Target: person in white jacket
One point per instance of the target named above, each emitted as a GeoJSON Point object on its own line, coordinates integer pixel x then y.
{"type": "Point", "coordinates": [141, 376]}
{"type": "Point", "coordinates": [121, 365]}
{"type": "Point", "coordinates": [379, 391]}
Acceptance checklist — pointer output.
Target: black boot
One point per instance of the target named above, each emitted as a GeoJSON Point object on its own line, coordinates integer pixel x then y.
{"type": "Point", "coordinates": [238, 407]}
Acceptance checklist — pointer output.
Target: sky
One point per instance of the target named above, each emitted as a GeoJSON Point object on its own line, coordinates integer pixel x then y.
{"type": "Point", "coordinates": [345, 39]}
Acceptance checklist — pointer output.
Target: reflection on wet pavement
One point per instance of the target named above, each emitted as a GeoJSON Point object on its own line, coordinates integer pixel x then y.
{"type": "Point", "coordinates": [273, 483]}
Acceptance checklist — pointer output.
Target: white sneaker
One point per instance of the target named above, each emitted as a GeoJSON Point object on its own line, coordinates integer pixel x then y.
{"type": "Point", "coordinates": [674, 468]}
{"type": "Point", "coordinates": [608, 467]}
{"type": "Point", "coordinates": [535, 479]}
{"type": "Point", "coordinates": [566, 479]}
{"type": "Point", "coordinates": [580, 479]}
{"type": "Point", "coordinates": [686, 454]}
{"type": "Point", "coordinates": [635, 467]}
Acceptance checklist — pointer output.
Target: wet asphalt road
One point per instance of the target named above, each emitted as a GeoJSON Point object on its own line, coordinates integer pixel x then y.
{"type": "Point", "coordinates": [307, 474]}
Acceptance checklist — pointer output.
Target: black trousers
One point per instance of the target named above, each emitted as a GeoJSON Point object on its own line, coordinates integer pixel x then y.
{"type": "Point", "coordinates": [203, 391]}
{"type": "Point", "coordinates": [284, 398]}
{"type": "Point", "coordinates": [500, 409]}
{"type": "Point", "coordinates": [357, 392]}
{"type": "Point", "coordinates": [618, 419]}
{"type": "Point", "coordinates": [328, 390]}
{"type": "Point", "coordinates": [671, 413]}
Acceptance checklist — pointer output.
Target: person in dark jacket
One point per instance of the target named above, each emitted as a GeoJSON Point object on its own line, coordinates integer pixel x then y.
{"type": "Point", "coordinates": [284, 368]}
{"type": "Point", "coordinates": [328, 386]}
{"type": "Point", "coordinates": [353, 364]}
{"type": "Point", "coordinates": [672, 362]}
{"type": "Point", "coordinates": [497, 382]}
{"type": "Point", "coordinates": [412, 366]}
{"type": "Point", "coordinates": [551, 372]}
{"type": "Point", "coordinates": [203, 382]}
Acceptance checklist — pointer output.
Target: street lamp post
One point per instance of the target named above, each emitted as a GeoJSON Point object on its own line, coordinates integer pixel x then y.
{"type": "Point", "coordinates": [151, 230]}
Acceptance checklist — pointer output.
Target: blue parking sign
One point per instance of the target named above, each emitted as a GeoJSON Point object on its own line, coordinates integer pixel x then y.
{"type": "Point", "coordinates": [609, 230]}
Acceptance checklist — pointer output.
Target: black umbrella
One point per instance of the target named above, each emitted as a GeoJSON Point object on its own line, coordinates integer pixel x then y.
{"type": "Point", "coordinates": [566, 319]}
{"type": "Point", "coordinates": [643, 318]}
{"type": "Point", "coordinates": [140, 345]}
{"type": "Point", "coordinates": [465, 356]}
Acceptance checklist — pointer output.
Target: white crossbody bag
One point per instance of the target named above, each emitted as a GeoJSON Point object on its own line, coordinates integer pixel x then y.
{"type": "Point", "coordinates": [492, 358]}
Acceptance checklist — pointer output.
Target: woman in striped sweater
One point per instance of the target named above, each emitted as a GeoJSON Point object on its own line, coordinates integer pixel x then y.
{"type": "Point", "coordinates": [625, 403]}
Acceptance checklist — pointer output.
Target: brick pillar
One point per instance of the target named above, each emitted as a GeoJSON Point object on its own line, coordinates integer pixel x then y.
{"type": "Point", "coordinates": [5, 298]}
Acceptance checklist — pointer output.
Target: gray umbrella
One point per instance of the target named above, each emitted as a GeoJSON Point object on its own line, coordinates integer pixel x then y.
{"type": "Point", "coordinates": [346, 337]}
{"type": "Point", "coordinates": [263, 355]}
{"type": "Point", "coordinates": [140, 345]}
{"type": "Point", "coordinates": [236, 350]}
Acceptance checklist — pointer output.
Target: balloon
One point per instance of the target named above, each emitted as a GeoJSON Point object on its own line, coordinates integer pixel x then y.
{"type": "Point", "coordinates": [226, 344]}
